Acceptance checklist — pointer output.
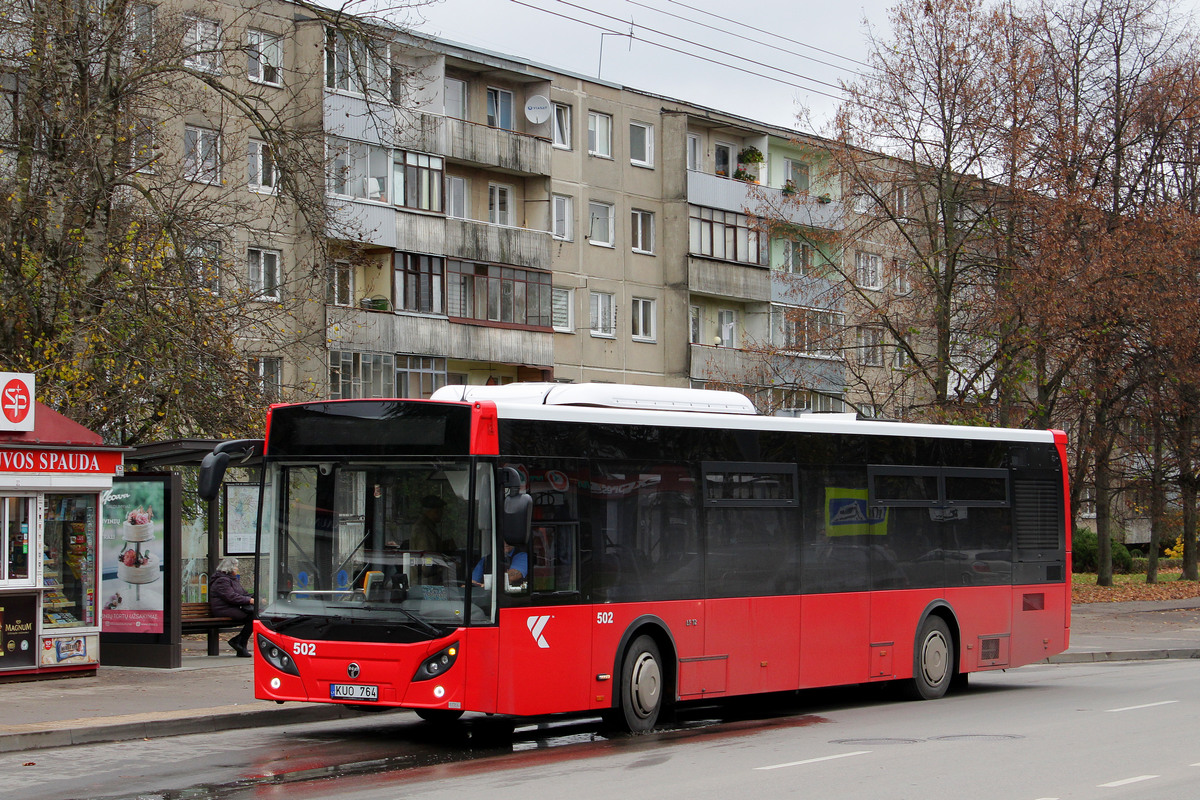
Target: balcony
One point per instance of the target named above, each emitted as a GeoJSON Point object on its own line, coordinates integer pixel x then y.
{"type": "Point", "coordinates": [726, 279]}
{"type": "Point", "coordinates": [766, 368]}
{"type": "Point", "coordinates": [498, 244]}
{"type": "Point", "coordinates": [385, 332]}
{"type": "Point", "coordinates": [713, 191]}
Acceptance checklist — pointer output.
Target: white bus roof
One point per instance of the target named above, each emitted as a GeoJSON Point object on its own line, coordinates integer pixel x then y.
{"type": "Point", "coordinates": [627, 404]}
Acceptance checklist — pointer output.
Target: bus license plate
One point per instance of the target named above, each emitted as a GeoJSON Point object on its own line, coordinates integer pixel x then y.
{"type": "Point", "coordinates": [353, 691]}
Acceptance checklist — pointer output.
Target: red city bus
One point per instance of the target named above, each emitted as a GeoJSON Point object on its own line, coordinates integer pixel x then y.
{"type": "Point", "coordinates": [545, 548]}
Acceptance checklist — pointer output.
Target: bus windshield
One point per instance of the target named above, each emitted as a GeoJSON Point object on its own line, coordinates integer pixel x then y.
{"type": "Point", "coordinates": [346, 546]}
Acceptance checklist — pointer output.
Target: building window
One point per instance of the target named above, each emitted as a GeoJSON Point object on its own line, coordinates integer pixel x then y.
{"type": "Point", "coordinates": [599, 134]}
{"type": "Point", "coordinates": [901, 358]}
{"type": "Point", "coordinates": [870, 346]}
{"type": "Point", "coordinates": [263, 266]}
{"type": "Point", "coordinates": [500, 204]}
{"type": "Point", "coordinates": [603, 310]}
{"type": "Point", "coordinates": [204, 262]}
{"type": "Point", "coordinates": [563, 310]}
{"type": "Point", "coordinates": [641, 144]}
{"type": "Point", "coordinates": [202, 43]}
{"type": "Point", "coordinates": [417, 180]}
{"type": "Point", "coordinates": [694, 319]}
{"type": "Point", "coordinates": [723, 159]}
{"type": "Point", "coordinates": [562, 126]}
{"type": "Point", "coordinates": [796, 175]}
{"type": "Point", "coordinates": [499, 294]}
{"type": "Point", "coordinates": [264, 58]}
{"type": "Point", "coordinates": [903, 281]}
{"type": "Point", "coordinates": [419, 376]}
{"type": "Point", "coordinates": [641, 314]}
{"type": "Point", "coordinates": [267, 373]}
{"type": "Point", "coordinates": [693, 152]}
{"type": "Point", "coordinates": [456, 197]}
{"type": "Point", "coordinates": [726, 328]}
{"type": "Point", "coordinates": [140, 28]}
{"type": "Point", "coordinates": [202, 154]}
{"type": "Point", "coordinates": [142, 144]}
{"type": "Point", "coordinates": [869, 270]}
{"type": "Point", "coordinates": [562, 217]}
{"type": "Point", "coordinates": [358, 170]}
{"type": "Point", "coordinates": [262, 176]}
{"type": "Point", "coordinates": [797, 257]}
{"type": "Point", "coordinates": [641, 224]}
{"type": "Point", "coordinates": [340, 285]}
{"type": "Point", "coordinates": [420, 283]}
{"type": "Point", "coordinates": [500, 108]}
{"type": "Point", "coordinates": [456, 98]}
{"type": "Point", "coordinates": [600, 224]}
{"type": "Point", "coordinates": [723, 234]}
{"type": "Point", "coordinates": [354, 375]}
{"type": "Point", "coordinates": [812, 331]}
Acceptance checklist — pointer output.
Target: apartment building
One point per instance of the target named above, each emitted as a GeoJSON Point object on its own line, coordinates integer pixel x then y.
{"type": "Point", "coordinates": [486, 219]}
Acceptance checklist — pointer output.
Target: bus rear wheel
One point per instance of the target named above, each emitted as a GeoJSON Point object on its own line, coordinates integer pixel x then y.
{"type": "Point", "coordinates": [933, 661]}
{"type": "Point", "coordinates": [641, 686]}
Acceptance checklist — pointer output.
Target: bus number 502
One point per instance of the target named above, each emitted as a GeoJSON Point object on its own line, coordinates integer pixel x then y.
{"type": "Point", "coordinates": [604, 618]}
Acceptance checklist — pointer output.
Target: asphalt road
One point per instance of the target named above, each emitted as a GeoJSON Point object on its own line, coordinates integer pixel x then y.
{"type": "Point", "coordinates": [1115, 730]}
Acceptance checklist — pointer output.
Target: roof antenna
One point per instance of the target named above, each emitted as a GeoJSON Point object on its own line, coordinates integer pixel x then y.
{"type": "Point", "coordinates": [600, 65]}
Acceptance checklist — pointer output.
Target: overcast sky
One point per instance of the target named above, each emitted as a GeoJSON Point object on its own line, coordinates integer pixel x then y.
{"type": "Point", "coordinates": [802, 47]}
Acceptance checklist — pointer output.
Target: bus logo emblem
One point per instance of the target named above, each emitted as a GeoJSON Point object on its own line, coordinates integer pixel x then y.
{"type": "Point", "coordinates": [352, 671]}
{"type": "Point", "coordinates": [536, 625]}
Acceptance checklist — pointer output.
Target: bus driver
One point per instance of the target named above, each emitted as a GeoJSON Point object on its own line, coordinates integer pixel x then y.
{"type": "Point", "coordinates": [516, 564]}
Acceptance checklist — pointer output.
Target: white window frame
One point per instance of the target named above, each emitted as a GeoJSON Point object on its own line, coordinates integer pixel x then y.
{"type": "Point", "coordinates": [641, 225]}
{"type": "Point", "coordinates": [900, 359]}
{"type": "Point", "coordinates": [561, 124]}
{"type": "Point", "coordinates": [695, 153]}
{"type": "Point", "coordinates": [496, 116]}
{"type": "Point", "coordinates": [648, 157]}
{"type": "Point", "coordinates": [868, 270]}
{"type": "Point", "coordinates": [140, 27]}
{"type": "Point", "coordinates": [263, 171]}
{"type": "Point", "coordinates": [695, 325]}
{"type": "Point", "coordinates": [204, 261]}
{"type": "Point", "coordinates": [595, 220]}
{"type": "Point", "coordinates": [870, 345]}
{"type": "Point", "coordinates": [562, 211]}
{"type": "Point", "coordinates": [359, 170]}
{"type": "Point", "coordinates": [339, 284]}
{"type": "Point", "coordinates": [268, 371]}
{"type": "Point", "coordinates": [501, 213]}
{"type": "Point", "coordinates": [726, 327]}
{"type": "Point", "coordinates": [454, 88]}
{"type": "Point", "coordinates": [458, 193]}
{"type": "Point", "coordinates": [600, 126]}
{"type": "Point", "coordinates": [264, 280]}
{"type": "Point", "coordinates": [602, 307]}
{"type": "Point", "coordinates": [731, 159]}
{"type": "Point", "coordinates": [793, 265]}
{"type": "Point", "coordinates": [202, 42]}
{"type": "Point", "coordinates": [202, 154]}
{"type": "Point", "coordinates": [563, 299]}
{"type": "Point", "coordinates": [903, 279]}
{"type": "Point", "coordinates": [264, 58]}
{"type": "Point", "coordinates": [798, 173]}
{"type": "Point", "coordinates": [643, 314]}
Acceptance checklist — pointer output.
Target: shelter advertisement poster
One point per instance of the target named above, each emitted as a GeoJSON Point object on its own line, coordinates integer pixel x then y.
{"type": "Point", "coordinates": [135, 514]}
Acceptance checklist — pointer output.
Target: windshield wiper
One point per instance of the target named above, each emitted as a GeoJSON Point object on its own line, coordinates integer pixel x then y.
{"type": "Point", "coordinates": [429, 628]}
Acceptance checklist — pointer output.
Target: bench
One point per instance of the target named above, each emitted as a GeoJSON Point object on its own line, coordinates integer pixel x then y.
{"type": "Point", "coordinates": [198, 617]}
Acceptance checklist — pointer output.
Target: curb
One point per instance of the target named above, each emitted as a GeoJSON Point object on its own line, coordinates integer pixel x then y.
{"type": "Point", "coordinates": [1121, 655]}
{"type": "Point", "coordinates": [94, 730]}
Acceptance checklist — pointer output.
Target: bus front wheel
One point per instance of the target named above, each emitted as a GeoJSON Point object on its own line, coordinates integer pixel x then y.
{"type": "Point", "coordinates": [641, 686]}
{"type": "Point", "coordinates": [933, 661]}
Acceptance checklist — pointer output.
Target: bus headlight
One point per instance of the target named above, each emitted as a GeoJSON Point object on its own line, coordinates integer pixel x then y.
{"type": "Point", "coordinates": [438, 663]}
{"type": "Point", "coordinates": [275, 655]}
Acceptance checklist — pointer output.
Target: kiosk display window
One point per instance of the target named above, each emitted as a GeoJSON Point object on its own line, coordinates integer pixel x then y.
{"type": "Point", "coordinates": [69, 571]}
{"type": "Point", "coordinates": [15, 538]}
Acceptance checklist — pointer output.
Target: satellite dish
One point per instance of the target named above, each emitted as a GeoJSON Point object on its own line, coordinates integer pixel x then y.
{"type": "Point", "coordinates": [537, 109]}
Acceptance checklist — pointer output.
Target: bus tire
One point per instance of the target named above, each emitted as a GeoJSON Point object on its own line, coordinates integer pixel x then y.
{"type": "Point", "coordinates": [438, 716]}
{"type": "Point", "coordinates": [933, 660]}
{"type": "Point", "coordinates": [642, 686]}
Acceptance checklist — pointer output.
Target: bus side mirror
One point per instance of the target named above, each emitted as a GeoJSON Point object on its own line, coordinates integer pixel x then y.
{"type": "Point", "coordinates": [212, 468]}
{"type": "Point", "coordinates": [212, 472]}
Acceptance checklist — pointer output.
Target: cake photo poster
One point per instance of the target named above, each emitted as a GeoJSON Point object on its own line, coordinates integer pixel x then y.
{"type": "Point", "coordinates": [132, 578]}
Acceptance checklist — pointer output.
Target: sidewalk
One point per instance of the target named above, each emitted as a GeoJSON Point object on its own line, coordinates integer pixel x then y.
{"type": "Point", "coordinates": [212, 693]}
